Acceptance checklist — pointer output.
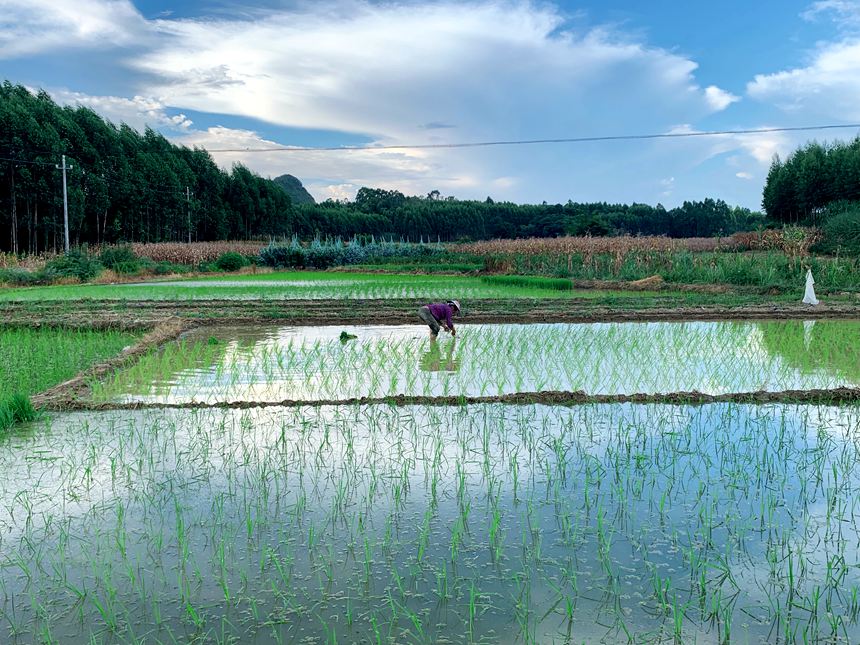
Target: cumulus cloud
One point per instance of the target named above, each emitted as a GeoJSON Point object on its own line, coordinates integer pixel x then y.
{"type": "Point", "coordinates": [37, 26]}
{"type": "Point", "coordinates": [399, 73]}
{"type": "Point", "coordinates": [490, 67]}
{"type": "Point", "coordinates": [718, 98]}
{"type": "Point", "coordinates": [336, 175]}
{"type": "Point", "coordinates": [743, 175]}
{"type": "Point", "coordinates": [828, 85]}
{"type": "Point", "coordinates": [761, 146]}
{"type": "Point", "coordinates": [138, 112]}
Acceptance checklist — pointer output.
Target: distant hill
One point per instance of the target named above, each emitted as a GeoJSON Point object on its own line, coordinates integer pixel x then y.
{"type": "Point", "coordinates": [293, 187]}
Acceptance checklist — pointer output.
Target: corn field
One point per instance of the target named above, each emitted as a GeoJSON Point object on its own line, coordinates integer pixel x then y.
{"type": "Point", "coordinates": [196, 252]}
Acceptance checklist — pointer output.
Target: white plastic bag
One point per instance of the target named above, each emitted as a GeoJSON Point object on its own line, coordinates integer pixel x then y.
{"type": "Point", "coordinates": [809, 296]}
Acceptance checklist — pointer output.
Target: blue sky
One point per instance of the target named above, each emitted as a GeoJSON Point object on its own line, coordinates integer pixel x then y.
{"type": "Point", "coordinates": [355, 72]}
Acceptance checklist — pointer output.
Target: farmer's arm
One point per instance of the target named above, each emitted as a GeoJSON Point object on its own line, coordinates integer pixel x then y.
{"type": "Point", "coordinates": [448, 320]}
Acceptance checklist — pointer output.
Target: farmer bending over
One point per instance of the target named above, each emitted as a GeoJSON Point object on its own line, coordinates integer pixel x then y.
{"type": "Point", "coordinates": [440, 314]}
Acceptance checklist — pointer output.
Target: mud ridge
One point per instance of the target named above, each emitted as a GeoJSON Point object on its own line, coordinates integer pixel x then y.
{"type": "Point", "coordinates": [817, 397]}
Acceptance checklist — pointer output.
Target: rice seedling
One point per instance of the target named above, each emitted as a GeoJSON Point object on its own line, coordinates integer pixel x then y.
{"type": "Point", "coordinates": [36, 359]}
{"type": "Point", "coordinates": [307, 285]}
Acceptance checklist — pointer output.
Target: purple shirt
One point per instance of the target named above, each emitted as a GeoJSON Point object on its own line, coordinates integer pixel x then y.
{"type": "Point", "coordinates": [441, 312]}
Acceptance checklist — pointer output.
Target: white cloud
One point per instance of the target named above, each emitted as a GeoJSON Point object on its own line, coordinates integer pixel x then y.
{"type": "Point", "coordinates": [763, 146]}
{"type": "Point", "coordinates": [718, 98]}
{"type": "Point", "coordinates": [829, 86]}
{"type": "Point", "coordinates": [330, 174]}
{"type": "Point", "coordinates": [402, 73]}
{"type": "Point", "coordinates": [491, 68]}
{"type": "Point", "coordinates": [667, 185]}
{"type": "Point", "coordinates": [35, 26]}
{"type": "Point", "coordinates": [338, 192]}
{"type": "Point", "coordinates": [743, 175]}
{"type": "Point", "coordinates": [138, 112]}
{"type": "Point", "coordinates": [846, 13]}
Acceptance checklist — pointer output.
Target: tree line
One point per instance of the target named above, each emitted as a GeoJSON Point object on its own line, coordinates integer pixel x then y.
{"type": "Point", "coordinates": [382, 212]}
{"type": "Point", "coordinates": [124, 185]}
{"type": "Point", "coordinates": [800, 188]}
{"type": "Point", "coordinates": [128, 186]}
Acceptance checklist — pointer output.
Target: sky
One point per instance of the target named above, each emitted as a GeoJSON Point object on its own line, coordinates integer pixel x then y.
{"type": "Point", "coordinates": [333, 73]}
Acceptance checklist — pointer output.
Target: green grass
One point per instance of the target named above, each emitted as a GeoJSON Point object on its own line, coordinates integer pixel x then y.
{"type": "Point", "coordinates": [763, 270]}
{"type": "Point", "coordinates": [36, 359]}
{"type": "Point", "coordinates": [314, 285]}
{"type": "Point", "coordinates": [534, 282]}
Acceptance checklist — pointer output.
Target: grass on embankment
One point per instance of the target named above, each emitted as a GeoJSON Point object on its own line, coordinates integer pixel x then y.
{"type": "Point", "coordinates": [34, 360]}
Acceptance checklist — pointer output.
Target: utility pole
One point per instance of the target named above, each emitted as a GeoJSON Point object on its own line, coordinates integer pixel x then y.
{"type": "Point", "coordinates": [64, 168]}
{"type": "Point", "coordinates": [188, 210]}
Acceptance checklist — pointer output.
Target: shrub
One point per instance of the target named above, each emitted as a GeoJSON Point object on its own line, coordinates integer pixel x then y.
{"type": "Point", "coordinates": [283, 256]}
{"type": "Point", "coordinates": [166, 268]}
{"type": "Point", "coordinates": [21, 277]}
{"type": "Point", "coordinates": [841, 233]}
{"type": "Point", "coordinates": [120, 259]}
{"type": "Point", "coordinates": [322, 255]}
{"type": "Point", "coordinates": [230, 261]}
{"type": "Point", "coordinates": [74, 264]}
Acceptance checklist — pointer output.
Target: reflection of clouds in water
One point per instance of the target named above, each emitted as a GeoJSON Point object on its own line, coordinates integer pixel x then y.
{"type": "Point", "coordinates": [808, 326]}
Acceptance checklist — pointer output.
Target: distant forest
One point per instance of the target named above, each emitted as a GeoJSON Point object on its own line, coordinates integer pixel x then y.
{"type": "Point", "coordinates": [139, 187]}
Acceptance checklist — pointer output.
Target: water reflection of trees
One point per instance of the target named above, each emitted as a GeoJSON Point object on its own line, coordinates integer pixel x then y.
{"type": "Point", "coordinates": [832, 346]}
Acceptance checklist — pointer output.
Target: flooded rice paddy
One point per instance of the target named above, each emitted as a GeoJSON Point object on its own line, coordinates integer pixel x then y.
{"type": "Point", "coordinates": [485, 523]}
{"type": "Point", "coordinates": [272, 364]}
{"type": "Point", "coordinates": [489, 523]}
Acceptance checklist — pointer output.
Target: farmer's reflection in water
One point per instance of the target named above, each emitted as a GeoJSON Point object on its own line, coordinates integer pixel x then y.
{"type": "Point", "coordinates": [437, 360]}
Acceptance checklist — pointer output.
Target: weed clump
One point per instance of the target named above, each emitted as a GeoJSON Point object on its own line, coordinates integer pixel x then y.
{"type": "Point", "coordinates": [16, 408]}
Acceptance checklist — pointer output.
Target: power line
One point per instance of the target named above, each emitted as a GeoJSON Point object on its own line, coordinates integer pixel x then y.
{"type": "Point", "coordinates": [25, 161]}
{"type": "Point", "coordinates": [521, 142]}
